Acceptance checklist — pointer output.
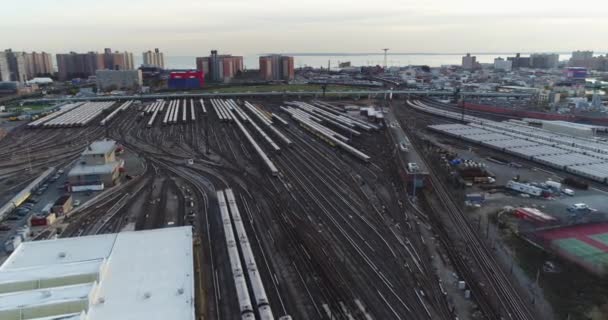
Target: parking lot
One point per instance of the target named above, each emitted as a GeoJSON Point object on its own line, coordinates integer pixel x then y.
{"type": "Point", "coordinates": [556, 206]}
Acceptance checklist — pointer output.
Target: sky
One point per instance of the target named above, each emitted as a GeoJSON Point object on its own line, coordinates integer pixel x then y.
{"type": "Point", "coordinates": [244, 27]}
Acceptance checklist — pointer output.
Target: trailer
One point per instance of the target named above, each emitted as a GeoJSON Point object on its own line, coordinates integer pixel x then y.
{"type": "Point", "coordinates": [524, 188]}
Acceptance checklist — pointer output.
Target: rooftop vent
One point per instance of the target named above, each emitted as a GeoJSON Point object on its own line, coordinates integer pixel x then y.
{"type": "Point", "coordinates": [61, 255]}
{"type": "Point", "coordinates": [147, 295]}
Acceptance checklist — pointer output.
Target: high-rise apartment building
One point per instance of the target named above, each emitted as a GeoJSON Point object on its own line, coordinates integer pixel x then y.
{"type": "Point", "coordinates": [5, 72]}
{"type": "Point", "coordinates": [544, 60]}
{"type": "Point", "coordinates": [154, 58]}
{"type": "Point", "coordinates": [83, 65]}
{"type": "Point", "coordinates": [277, 67]}
{"type": "Point", "coordinates": [16, 65]}
{"type": "Point", "coordinates": [219, 68]}
{"type": "Point", "coordinates": [469, 62]}
{"type": "Point", "coordinates": [583, 59]}
{"type": "Point", "coordinates": [501, 64]}
{"type": "Point", "coordinates": [117, 60]}
{"type": "Point", "coordinates": [519, 62]}
{"type": "Point", "coordinates": [78, 65]}
{"type": "Point", "coordinates": [38, 64]}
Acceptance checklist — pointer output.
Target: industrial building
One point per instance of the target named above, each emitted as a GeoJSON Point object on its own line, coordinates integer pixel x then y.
{"type": "Point", "coordinates": [154, 58]}
{"type": "Point", "coordinates": [277, 67]}
{"type": "Point", "coordinates": [108, 80]}
{"type": "Point", "coordinates": [186, 79]}
{"type": "Point", "coordinates": [97, 167]}
{"type": "Point", "coordinates": [133, 275]}
{"type": "Point", "coordinates": [220, 68]}
{"type": "Point", "coordinates": [576, 73]}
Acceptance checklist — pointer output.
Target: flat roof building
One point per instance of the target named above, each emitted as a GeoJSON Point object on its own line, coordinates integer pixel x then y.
{"type": "Point", "coordinates": [97, 166]}
{"type": "Point", "coordinates": [147, 275]}
{"type": "Point", "coordinates": [108, 80]}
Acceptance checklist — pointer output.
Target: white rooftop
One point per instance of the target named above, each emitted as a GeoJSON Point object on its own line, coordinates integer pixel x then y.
{"type": "Point", "coordinates": [100, 147]}
{"type": "Point", "coordinates": [130, 275]}
{"type": "Point", "coordinates": [81, 170]}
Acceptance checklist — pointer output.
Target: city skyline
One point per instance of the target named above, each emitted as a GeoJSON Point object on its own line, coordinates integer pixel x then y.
{"type": "Point", "coordinates": [190, 28]}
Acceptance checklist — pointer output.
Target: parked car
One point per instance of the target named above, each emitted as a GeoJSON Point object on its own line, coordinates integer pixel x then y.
{"type": "Point", "coordinates": [13, 217]}
{"type": "Point", "coordinates": [28, 205]}
{"type": "Point", "coordinates": [5, 227]}
{"type": "Point", "coordinates": [31, 200]}
{"type": "Point", "coordinates": [76, 203]}
{"type": "Point", "coordinates": [581, 208]}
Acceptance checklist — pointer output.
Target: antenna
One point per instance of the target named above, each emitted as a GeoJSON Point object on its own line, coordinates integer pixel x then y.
{"type": "Point", "coordinates": [385, 52]}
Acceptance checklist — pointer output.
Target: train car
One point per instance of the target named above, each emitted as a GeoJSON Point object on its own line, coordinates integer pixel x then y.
{"type": "Point", "coordinates": [192, 114]}
{"type": "Point", "coordinates": [203, 106]}
{"type": "Point", "coordinates": [255, 280]}
{"type": "Point", "coordinates": [279, 120]}
{"type": "Point", "coordinates": [242, 290]}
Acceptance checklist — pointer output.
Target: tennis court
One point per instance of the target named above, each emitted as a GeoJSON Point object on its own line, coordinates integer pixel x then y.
{"type": "Point", "coordinates": [586, 245]}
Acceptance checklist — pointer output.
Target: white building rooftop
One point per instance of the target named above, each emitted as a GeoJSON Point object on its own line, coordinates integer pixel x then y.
{"type": "Point", "coordinates": [130, 275]}
{"type": "Point", "coordinates": [100, 147]}
{"type": "Point", "coordinates": [83, 170]}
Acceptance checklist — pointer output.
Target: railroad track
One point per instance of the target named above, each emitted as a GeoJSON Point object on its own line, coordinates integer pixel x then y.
{"type": "Point", "coordinates": [507, 301]}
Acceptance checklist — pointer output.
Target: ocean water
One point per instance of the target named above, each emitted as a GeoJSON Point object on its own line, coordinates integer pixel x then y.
{"type": "Point", "coordinates": [321, 60]}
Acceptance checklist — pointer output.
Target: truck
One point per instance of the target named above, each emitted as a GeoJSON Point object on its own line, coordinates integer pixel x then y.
{"type": "Point", "coordinates": [554, 184]}
{"type": "Point", "coordinates": [484, 180]}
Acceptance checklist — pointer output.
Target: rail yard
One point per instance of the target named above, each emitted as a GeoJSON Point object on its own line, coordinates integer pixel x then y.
{"type": "Point", "coordinates": [298, 207]}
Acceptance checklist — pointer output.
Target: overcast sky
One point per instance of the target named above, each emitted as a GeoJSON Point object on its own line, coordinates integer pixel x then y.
{"type": "Point", "coordinates": [191, 27]}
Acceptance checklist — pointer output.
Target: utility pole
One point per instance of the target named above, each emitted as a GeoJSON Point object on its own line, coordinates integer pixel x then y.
{"type": "Point", "coordinates": [385, 52]}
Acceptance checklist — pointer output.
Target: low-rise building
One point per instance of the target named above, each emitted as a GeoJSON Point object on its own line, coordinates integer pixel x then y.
{"type": "Point", "coordinates": [63, 205]}
{"type": "Point", "coordinates": [136, 275]}
{"type": "Point", "coordinates": [108, 80]}
{"type": "Point", "coordinates": [97, 167]}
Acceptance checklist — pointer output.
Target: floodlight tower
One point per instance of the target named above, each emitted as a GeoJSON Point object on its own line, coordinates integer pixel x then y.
{"type": "Point", "coordinates": [385, 51]}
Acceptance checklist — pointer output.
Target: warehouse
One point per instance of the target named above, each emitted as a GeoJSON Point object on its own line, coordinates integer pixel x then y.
{"type": "Point", "coordinates": [136, 275]}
